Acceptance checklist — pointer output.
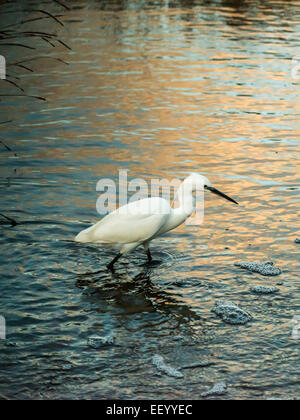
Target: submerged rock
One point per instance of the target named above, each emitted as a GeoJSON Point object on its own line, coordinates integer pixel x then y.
{"type": "Point", "coordinates": [261, 290]}
{"type": "Point", "coordinates": [265, 269]}
{"type": "Point", "coordinates": [158, 361]}
{"type": "Point", "coordinates": [218, 389]}
{"type": "Point", "coordinates": [231, 313]}
{"type": "Point", "coordinates": [97, 342]}
{"type": "Point", "coordinates": [297, 241]}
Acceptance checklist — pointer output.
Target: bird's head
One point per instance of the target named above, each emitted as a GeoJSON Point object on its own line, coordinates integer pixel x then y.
{"type": "Point", "coordinates": [201, 182]}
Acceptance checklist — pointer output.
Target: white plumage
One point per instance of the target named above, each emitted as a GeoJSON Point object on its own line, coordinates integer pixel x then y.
{"type": "Point", "coordinates": [139, 222]}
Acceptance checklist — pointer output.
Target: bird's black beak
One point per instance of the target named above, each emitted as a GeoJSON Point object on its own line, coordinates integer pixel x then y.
{"type": "Point", "coordinates": [217, 192]}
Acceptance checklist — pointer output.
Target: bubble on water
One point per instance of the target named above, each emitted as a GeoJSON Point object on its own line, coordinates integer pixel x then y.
{"type": "Point", "coordinates": [265, 269]}
{"type": "Point", "coordinates": [231, 313]}
{"type": "Point", "coordinates": [218, 389]}
{"type": "Point", "coordinates": [260, 289]}
{"type": "Point", "coordinates": [97, 342]}
{"type": "Point", "coordinates": [158, 361]}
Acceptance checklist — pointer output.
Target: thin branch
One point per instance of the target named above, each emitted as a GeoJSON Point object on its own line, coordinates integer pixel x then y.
{"type": "Point", "coordinates": [36, 33]}
{"type": "Point", "coordinates": [10, 32]}
{"type": "Point", "coordinates": [62, 5]}
{"type": "Point", "coordinates": [5, 145]}
{"type": "Point", "coordinates": [18, 35]}
{"type": "Point", "coordinates": [29, 20]}
{"type": "Point", "coordinates": [44, 38]}
{"type": "Point", "coordinates": [12, 221]}
{"type": "Point", "coordinates": [13, 83]}
{"type": "Point", "coordinates": [50, 15]}
{"type": "Point", "coordinates": [17, 45]}
{"type": "Point", "coordinates": [24, 67]}
{"type": "Point", "coordinates": [11, 76]}
{"type": "Point", "coordinates": [49, 42]}
{"type": "Point", "coordinates": [25, 96]}
{"type": "Point", "coordinates": [64, 44]}
{"type": "Point", "coordinates": [37, 58]}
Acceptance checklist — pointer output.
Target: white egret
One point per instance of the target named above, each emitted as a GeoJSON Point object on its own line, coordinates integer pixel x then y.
{"type": "Point", "coordinates": [137, 223]}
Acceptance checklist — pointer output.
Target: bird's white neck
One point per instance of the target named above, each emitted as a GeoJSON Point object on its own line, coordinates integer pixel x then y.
{"type": "Point", "coordinates": [185, 197]}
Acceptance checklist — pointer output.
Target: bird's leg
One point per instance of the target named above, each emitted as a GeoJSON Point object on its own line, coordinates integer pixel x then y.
{"type": "Point", "coordinates": [147, 250]}
{"type": "Point", "coordinates": [111, 264]}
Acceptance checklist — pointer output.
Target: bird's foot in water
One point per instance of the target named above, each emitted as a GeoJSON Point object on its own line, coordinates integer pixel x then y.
{"type": "Point", "coordinates": [110, 267]}
{"type": "Point", "coordinates": [149, 255]}
{"type": "Point", "coordinates": [152, 263]}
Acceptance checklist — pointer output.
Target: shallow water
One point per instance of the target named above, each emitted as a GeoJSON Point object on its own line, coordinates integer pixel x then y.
{"type": "Point", "coordinates": [161, 89]}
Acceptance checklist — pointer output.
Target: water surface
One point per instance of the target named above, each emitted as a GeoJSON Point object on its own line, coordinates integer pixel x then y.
{"type": "Point", "coordinates": [162, 89]}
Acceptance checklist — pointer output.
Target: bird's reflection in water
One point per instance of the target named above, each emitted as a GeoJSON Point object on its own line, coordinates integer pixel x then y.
{"type": "Point", "coordinates": [136, 293]}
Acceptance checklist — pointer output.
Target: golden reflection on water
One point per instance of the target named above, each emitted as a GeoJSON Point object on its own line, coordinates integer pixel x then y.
{"type": "Point", "coordinates": [154, 93]}
{"type": "Point", "coordinates": [164, 92]}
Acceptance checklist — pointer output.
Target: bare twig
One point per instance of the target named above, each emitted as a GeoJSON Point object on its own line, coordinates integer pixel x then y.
{"type": "Point", "coordinates": [26, 96]}
{"type": "Point", "coordinates": [37, 58]}
{"type": "Point", "coordinates": [61, 4]}
{"type": "Point", "coordinates": [12, 221]}
{"type": "Point", "coordinates": [14, 37]}
{"type": "Point", "coordinates": [24, 67]}
{"type": "Point", "coordinates": [5, 145]}
{"type": "Point", "coordinates": [64, 44]}
{"type": "Point", "coordinates": [34, 33]}
{"type": "Point", "coordinates": [50, 15]}
{"type": "Point", "coordinates": [13, 83]}
{"type": "Point", "coordinates": [49, 42]}
{"type": "Point", "coordinates": [17, 45]}
{"type": "Point", "coordinates": [22, 22]}
{"type": "Point", "coordinates": [9, 76]}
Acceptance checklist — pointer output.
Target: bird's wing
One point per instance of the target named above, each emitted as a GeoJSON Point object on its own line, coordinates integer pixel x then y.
{"type": "Point", "coordinates": [138, 221]}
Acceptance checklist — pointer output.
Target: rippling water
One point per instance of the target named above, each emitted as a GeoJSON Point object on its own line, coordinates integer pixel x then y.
{"type": "Point", "coordinates": [162, 89]}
